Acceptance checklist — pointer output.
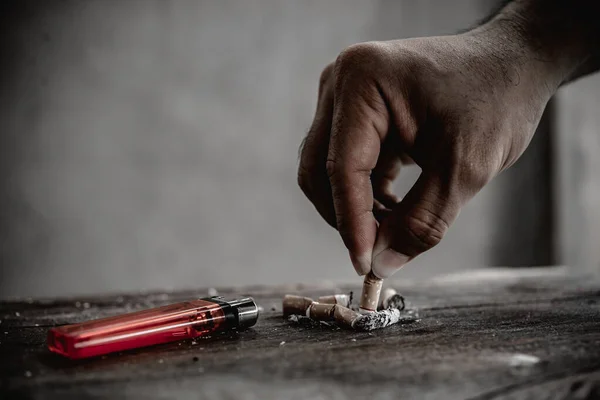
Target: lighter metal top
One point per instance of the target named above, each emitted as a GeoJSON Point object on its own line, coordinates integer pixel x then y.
{"type": "Point", "coordinates": [247, 311]}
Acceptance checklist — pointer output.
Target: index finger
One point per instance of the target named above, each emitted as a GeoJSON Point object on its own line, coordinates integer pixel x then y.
{"type": "Point", "coordinates": [359, 116]}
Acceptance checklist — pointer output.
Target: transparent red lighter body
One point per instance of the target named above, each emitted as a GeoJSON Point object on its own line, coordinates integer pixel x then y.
{"type": "Point", "coordinates": [139, 329]}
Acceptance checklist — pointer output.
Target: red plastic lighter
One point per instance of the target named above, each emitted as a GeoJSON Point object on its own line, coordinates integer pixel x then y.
{"type": "Point", "coordinates": [170, 323]}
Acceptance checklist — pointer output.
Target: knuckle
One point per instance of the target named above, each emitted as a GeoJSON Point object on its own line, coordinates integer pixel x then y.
{"type": "Point", "coordinates": [425, 230]}
{"type": "Point", "coordinates": [332, 168]}
{"type": "Point", "coordinates": [341, 171]}
{"type": "Point", "coordinates": [474, 174]}
{"type": "Point", "coordinates": [358, 59]}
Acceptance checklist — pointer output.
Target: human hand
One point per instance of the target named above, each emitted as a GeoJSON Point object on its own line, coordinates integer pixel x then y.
{"type": "Point", "coordinates": [463, 107]}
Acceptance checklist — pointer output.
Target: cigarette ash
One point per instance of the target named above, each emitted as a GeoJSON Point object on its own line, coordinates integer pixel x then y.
{"type": "Point", "coordinates": [384, 318]}
{"type": "Point", "coordinates": [307, 322]}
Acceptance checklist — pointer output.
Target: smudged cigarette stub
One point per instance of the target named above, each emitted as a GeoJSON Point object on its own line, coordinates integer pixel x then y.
{"type": "Point", "coordinates": [385, 296]}
{"type": "Point", "coordinates": [321, 312]}
{"type": "Point", "coordinates": [395, 301]}
{"type": "Point", "coordinates": [296, 305]}
{"type": "Point", "coordinates": [345, 316]}
{"type": "Point", "coordinates": [341, 299]}
{"type": "Point", "coordinates": [391, 299]}
{"type": "Point", "coordinates": [370, 294]}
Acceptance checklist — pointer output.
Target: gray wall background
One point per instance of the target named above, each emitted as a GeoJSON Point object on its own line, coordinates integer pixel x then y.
{"type": "Point", "coordinates": [578, 182]}
{"type": "Point", "coordinates": [152, 144]}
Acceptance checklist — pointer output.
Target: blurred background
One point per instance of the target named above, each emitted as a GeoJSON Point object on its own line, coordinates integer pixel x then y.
{"type": "Point", "coordinates": [152, 144]}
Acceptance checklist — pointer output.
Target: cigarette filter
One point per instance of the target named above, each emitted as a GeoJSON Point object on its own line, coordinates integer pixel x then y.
{"type": "Point", "coordinates": [345, 316]}
{"type": "Point", "coordinates": [370, 293]}
{"type": "Point", "coordinates": [321, 312]}
{"type": "Point", "coordinates": [295, 305]}
{"type": "Point", "coordinates": [341, 299]}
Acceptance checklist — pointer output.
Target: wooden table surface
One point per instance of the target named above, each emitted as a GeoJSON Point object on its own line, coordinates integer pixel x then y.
{"type": "Point", "coordinates": [503, 334]}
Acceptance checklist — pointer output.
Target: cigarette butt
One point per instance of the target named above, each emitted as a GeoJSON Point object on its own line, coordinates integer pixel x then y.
{"type": "Point", "coordinates": [396, 301]}
{"type": "Point", "coordinates": [321, 312]}
{"type": "Point", "coordinates": [344, 316]}
{"type": "Point", "coordinates": [295, 305]}
{"type": "Point", "coordinates": [385, 297]}
{"type": "Point", "coordinates": [341, 299]}
{"type": "Point", "coordinates": [370, 294]}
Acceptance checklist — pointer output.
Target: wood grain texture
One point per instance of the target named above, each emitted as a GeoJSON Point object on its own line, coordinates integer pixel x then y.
{"type": "Point", "coordinates": [476, 339]}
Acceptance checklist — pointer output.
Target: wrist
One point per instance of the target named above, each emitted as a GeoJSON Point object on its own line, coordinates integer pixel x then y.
{"type": "Point", "coordinates": [551, 39]}
{"type": "Point", "coordinates": [522, 60]}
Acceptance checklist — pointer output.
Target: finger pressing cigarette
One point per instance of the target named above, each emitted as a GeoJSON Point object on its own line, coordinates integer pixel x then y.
{"type": "Point", "coordinates": [296, 305]}
{"type": "Point", "coordinates": [341, 299]}
{"type": "Point", "coordinates": [370, 294]}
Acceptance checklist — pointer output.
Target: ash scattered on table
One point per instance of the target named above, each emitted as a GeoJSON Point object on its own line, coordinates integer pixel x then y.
{"type": "Point", "coordinates": [306, 322]}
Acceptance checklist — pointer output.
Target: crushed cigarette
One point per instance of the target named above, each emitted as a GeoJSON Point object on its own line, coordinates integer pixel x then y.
{"type": "Point", "coordinates": [303, 310]}
{"type": "Point", "coordinates": [396, 301]}
{"type": "Point", "coordinates": [391, 299]}
{"type": "Point", "coordinates": [383, 319]}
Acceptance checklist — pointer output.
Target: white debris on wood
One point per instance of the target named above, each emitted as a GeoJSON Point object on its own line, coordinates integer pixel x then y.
{"type": "Point", "coordinates": [522, 360]}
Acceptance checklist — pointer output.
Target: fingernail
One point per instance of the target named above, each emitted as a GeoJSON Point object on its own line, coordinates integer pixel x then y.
{"type": "Point", "coordinates": [362, 264]}
{"type": "Point", "coordinates": [387, 262]}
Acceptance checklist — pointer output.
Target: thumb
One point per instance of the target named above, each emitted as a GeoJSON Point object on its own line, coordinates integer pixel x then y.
{"type": "Point", "coordinates": [416, 224]}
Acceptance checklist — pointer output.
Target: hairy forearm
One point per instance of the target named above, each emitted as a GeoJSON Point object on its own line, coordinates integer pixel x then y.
{"type": "Point", "coordinates": [560, 37]}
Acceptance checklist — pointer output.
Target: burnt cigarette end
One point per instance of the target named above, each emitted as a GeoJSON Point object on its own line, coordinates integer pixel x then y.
{"type": "Point", "coordinates": [385, 296]}
{"type": "Point", "coordinates": [396, 301]}
{"type": "Point", "coordinates": [391, 299]}
{"type": "Point", "coordinates": [345, 316]}
{"type": "Point", "coordinates": [376, 320]}
{"type": "Point", "coordinates": [321, 312]}
{"type": "Point", "coordinates": [295, 305]}
{"type": "Point", "coordinates": [384, 318]}
{"type": "Point", "coordinates": [341, 299]}
{"type": "Point", "coordinates": [370, 293]}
